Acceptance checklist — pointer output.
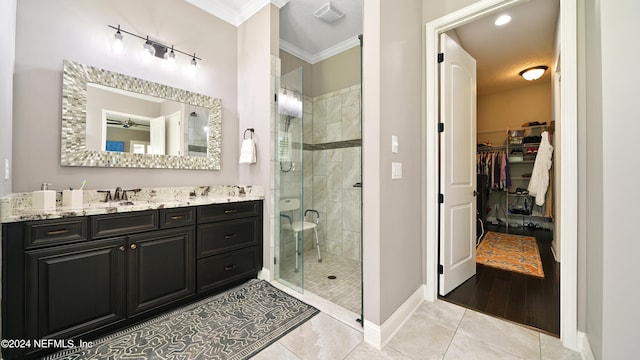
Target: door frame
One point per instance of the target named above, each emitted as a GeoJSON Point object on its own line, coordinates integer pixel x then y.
{"type": "Point", "coordinates": [566, 151]}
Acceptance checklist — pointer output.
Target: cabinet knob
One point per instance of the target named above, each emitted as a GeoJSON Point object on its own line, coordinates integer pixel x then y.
{"type": "Point", "coordinates": [121, 248]}
{"type": "Point", "coordinates": [133, 246]}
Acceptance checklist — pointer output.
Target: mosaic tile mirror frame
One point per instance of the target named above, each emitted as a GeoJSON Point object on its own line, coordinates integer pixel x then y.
{"type": "Point", "coordinates": [74, 151]}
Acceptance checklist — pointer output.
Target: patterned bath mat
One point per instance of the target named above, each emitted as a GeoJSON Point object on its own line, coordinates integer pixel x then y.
{"type": "Point", "coordinates": [510, 252]}
{"type": "Point", "coordinates": [236, 324]}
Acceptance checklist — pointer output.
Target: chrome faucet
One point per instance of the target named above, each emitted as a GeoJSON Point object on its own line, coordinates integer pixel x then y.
{"type": "Point", "coordinates": [116, 194]}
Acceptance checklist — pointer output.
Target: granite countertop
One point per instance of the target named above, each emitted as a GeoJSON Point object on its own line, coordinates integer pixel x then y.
{"type": "Point", "coordinates": [17, 207]}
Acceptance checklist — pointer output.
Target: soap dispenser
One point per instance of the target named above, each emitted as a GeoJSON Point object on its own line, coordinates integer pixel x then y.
{"type": "Point", "coordinates": [44, 199]}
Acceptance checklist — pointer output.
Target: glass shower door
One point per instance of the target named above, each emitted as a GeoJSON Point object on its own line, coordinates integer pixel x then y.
{"type": "Point", "coordinates": [289, 178]}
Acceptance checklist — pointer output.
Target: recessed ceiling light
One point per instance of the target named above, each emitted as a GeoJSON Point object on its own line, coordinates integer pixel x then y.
{"type": "Point", "coordinates": [502, 20]}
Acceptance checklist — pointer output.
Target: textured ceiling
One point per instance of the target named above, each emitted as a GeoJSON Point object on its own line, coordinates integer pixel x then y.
{"type": "Point", "coordinates": [501, 52]}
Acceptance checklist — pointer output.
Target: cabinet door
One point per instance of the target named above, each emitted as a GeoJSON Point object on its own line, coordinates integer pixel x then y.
{"type": "Point", "coordinates": [161, 268]}
{"type": "Point", "coordinates": [76, 288]}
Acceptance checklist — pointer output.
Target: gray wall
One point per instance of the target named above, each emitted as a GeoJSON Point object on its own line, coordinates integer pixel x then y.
{"type": "Point", "coordinates": [612, 83]}
{"type": "Point", "coordinates": [590, 289]}
{"type": "Point", "coordinates": [255, 92]}
{"type": "Point", "coordinates": [7, 44]}
{"type": "Point", "coordinates": [392, 105]}
{"type": "Point", "coordinates": [50, 31]}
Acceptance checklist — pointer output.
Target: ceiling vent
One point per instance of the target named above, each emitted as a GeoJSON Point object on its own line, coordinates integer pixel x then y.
{"type": "Point", "coordinates": [328, 13]}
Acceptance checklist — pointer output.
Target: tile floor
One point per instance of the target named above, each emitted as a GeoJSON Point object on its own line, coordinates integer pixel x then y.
{"type": "Point", "coordinates": [344, 290]}
{"type": "Point", "coordinates": [437, 330]}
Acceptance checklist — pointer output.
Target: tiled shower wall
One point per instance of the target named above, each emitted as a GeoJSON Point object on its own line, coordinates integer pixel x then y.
{"type": "Point", "coordinates": [332, 146]}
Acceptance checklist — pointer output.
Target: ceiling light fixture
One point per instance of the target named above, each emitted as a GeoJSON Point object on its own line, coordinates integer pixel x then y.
{"type": "Point", "coordinates": [328, 13]}
{"type": "Point", "coordinates": [152, 48]}
{"type": "Point", "coordinates": [502, 20]}
{"type": "Point", "coordinates": [533, 73]}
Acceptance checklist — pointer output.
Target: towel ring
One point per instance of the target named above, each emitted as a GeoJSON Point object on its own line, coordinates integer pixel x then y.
{"type": "Point", "coordinates": [244, 136]}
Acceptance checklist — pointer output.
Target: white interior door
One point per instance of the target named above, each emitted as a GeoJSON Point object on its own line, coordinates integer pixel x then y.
{"type": "Point", "coordinates": [174, 134]}
{"type": "Point", "coordinates": [157, 135]}
{"type": "Point", "coordinates": [457, 169]}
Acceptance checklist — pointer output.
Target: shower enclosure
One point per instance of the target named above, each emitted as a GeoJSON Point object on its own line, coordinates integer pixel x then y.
{"type": "Point", "coordinates": [318, 191]}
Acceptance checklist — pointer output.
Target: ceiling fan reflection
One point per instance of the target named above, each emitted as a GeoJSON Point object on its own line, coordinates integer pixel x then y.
{"type": "Point", "coordinates": [126, 123]}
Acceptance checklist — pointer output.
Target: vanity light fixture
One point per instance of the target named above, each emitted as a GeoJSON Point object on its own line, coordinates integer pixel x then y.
{"type": "Point", "coordinates": [170, 59]}
{"type": "Point", "coordinates": [191, 69]}
{"type": "Point", "coordinates": [118, 46]}
{"type": "Point", "coordinates": [153, 48]}
{"type": "Point", "coordinates": [533, 73]}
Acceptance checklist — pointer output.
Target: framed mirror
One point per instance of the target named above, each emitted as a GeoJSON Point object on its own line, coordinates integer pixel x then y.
{"type": "Point", "coordinates": [115, 120]}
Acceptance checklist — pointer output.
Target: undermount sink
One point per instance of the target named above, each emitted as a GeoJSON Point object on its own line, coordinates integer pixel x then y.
{"type": "Point", "coordinates": [118, 203]}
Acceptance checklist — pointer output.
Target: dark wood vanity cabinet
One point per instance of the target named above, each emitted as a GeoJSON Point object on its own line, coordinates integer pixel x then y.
{"type": "Point", "coordinates": [160, 268]}
{"type": "Point", "coordinates": [229, 243]}
{"type": "Point", "coordinates": [71, 289]}
{"type": "Point", "coordinates": [83, 277]}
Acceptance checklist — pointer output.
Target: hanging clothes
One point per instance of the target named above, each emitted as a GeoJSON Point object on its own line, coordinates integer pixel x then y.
{"type": "Point", "coordinates": [495, 166]}
{"type": "Point", "coordinates": [539, 181]}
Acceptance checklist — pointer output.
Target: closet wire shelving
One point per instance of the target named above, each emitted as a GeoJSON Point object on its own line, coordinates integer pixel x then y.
{"type": "Point", "coordinates": [515, 197]}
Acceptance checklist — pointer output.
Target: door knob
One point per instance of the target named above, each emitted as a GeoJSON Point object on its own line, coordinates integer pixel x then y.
{"type": "Point", "coordinates": [133, 246]}
{"type": "Point", "coordinates": [475, 193]}
{"type": "Point", "coordinates": [121, 248]}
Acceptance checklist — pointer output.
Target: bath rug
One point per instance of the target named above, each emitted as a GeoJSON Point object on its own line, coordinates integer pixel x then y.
{"type": "Point", "coordinates": [510, 252]}
{"type": "Point", "coordinates": [236, 324]}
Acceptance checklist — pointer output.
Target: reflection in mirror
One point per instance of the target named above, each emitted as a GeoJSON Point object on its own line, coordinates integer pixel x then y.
{"type": "Point", "coordinates": [111, 119]}
{"type": "Point", "coordinates": [124, 121]}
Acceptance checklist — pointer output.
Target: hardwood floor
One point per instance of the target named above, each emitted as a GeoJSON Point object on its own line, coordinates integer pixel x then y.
{"type": "Point", "coordinates": [513, 296]}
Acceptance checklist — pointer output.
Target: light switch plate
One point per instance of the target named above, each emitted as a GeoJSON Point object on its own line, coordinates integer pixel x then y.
{"type": "Point", "coordinates": [396, 171]}
{"type": "Point", "coordinates": [394, 144]}
{"type": "Point", "coordinates": [6, 169]}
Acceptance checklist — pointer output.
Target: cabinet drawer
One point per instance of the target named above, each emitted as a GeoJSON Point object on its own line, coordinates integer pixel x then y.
{"type": "Point", "coordinates": [219, 237]}
{"type": "Point", "coordinates": [221, 269]}
{"type": "Point", "coordinates": [177, 217]}
{"type": "Point", "coordinates": [226, 211]}
{"type": "Point", "coordinates": [123, 223]}
{"type": "Point", "coordinates": [50, 232]}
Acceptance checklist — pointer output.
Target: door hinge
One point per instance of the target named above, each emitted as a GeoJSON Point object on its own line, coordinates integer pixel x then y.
{"type": "Point", "coordinates": [441, 198]}
{"type": "Point", "coordinates": [440, 127]}
{"type": "Point", "coordinates": [275, 260]}
{"type": "Point", "coordinates": [440, 57]}
{"type": "Point", "coordinates": [440, 269]}
{"type": "Point", "coordinates": [275, 97]}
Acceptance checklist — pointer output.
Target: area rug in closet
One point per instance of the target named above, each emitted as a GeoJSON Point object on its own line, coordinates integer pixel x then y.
{"type": "Point", "coordinates": [235, 324]}
{"type": "Point", "coordinates": [510, 252]}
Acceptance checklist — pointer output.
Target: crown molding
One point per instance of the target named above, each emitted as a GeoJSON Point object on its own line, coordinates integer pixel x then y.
{"type": "Point", "coordinates": [322, 55]}
{"type": "Point", "coordinates": [232, 15]}
{"type": "Point", "coordinates": [279, 3]}
{"type": "Point", "coordinates": [217, 9]}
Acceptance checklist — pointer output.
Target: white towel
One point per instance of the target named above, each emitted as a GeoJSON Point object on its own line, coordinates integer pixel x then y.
{"type": "Point", "coordinates": [248, 152]}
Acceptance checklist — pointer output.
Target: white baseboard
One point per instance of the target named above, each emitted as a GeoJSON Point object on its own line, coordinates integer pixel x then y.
{"type": "Point", "coordinates": [378, 336]}
{"type": "Point", "coordinates": [553, 251]}
{"type": "Point", "coordinates": [584, 346]}
{"type": "Point", "coordinates": [264, 274]}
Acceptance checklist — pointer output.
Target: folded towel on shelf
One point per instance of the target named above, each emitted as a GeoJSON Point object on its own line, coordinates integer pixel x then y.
{"type": "Point", "coordinates": [248, 152]}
